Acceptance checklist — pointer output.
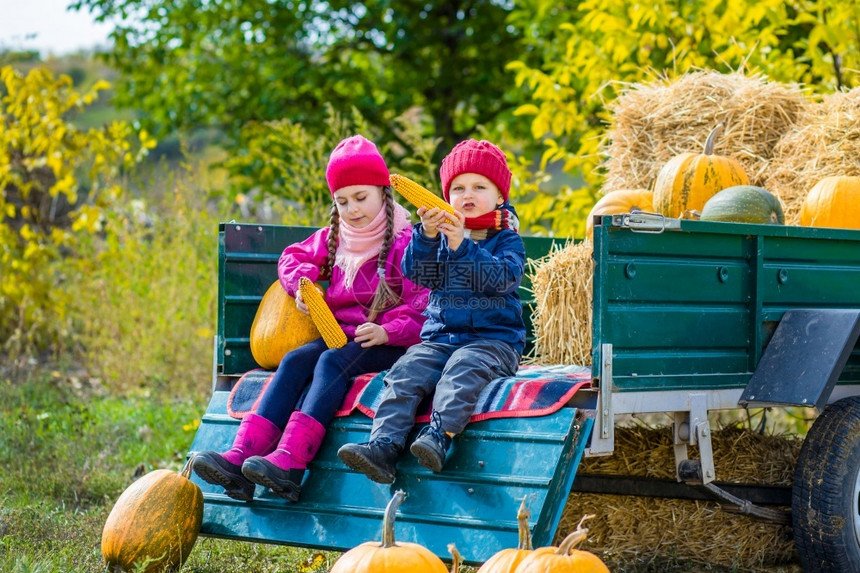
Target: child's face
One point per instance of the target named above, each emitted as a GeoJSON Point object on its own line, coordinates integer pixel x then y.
{"type": "Point", "coordinates": [474, 195]}
{"type": "Point", "coordinates": [358, 205]}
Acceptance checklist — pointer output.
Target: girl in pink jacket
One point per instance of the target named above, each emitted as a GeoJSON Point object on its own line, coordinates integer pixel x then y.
{"type": "Point", "coordinates": [377, 307]}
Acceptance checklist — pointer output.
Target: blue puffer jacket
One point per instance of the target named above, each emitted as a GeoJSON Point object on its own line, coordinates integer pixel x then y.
{"type": "Point", "coordinates": [473, 289]}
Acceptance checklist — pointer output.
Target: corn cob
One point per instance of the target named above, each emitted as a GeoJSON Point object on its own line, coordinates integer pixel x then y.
{"type": "Point", "coordinates": [419, 195]}
{"type": "Point", "coordinates": [320, 313]}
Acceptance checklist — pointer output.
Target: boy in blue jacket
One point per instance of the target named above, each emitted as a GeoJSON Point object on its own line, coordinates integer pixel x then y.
{"type": "Point", "coordinates": [474, 330]}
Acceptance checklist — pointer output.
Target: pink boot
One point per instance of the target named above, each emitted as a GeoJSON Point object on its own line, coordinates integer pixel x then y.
{"type": "Point", "coordinates": [256, 436]}
{"type": "Point", "coordinates": [283, 469]}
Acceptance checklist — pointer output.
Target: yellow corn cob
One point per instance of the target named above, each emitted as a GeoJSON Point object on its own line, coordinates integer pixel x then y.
{"type": "Point", "coordinates": [419, 195]}
{"type": "Point", "coordinates": [320, 313]}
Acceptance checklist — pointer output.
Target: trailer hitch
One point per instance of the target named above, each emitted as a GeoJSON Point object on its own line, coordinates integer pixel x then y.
{"type": "Point", "coordinates": [748, 508]}
{"type": "Point", "coordinates": [691, 472]}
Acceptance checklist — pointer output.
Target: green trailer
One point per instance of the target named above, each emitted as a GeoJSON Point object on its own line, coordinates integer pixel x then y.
{"type": "Point", "coordinates": [689, 317]}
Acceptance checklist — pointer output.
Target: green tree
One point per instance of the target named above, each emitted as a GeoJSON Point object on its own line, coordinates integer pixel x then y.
{"type": "Point", "coordinates": [188, 63]}
{"type": "Point", "coordinates": [581, 58]}
{"type": "Point", "coordinates": [280, 160]}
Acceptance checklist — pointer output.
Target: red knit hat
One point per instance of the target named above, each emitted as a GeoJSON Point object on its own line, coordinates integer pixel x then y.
{"type": "Point", "coordinates": [481, 157]}
{"type": "Point", "coordinates": [355, 161]}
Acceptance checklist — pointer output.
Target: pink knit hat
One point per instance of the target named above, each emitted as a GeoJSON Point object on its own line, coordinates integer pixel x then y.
{"type": "Point", "coordinates": [481, 157]}
{"type": "Point", "coordinates": [355, 161]}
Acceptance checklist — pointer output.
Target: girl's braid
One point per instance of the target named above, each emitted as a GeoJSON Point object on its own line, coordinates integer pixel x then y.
{"type": "Point", "coordinates": [384, 297]}
{"type": "Point", "coordinates": [334, 229]}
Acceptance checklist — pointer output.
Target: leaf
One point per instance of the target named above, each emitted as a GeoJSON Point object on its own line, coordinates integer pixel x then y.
{"type": "Point", "coordinates": [527, 109]}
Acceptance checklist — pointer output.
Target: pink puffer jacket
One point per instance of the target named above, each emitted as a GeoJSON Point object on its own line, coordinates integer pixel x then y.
{"type": "Point", "coordinates": [350, 306]}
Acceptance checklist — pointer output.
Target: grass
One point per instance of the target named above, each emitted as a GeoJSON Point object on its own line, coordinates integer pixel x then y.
{"type": "Point", "coordinates": [67, 453]}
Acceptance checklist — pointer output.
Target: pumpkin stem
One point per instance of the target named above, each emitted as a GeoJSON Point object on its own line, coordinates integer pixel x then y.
{"type": "Point", "coordinates": [709, 144]}
{"type": "Point", "coordinates": [186, 469]}
{"type": "Point", "coordinates": [574, 538]}
{"type": "Point", "coordinates": [525, 535]}
{"type": "Point", "coordinates": [458, 559]}
{"type": "Point", "coordinates": [388, 518]}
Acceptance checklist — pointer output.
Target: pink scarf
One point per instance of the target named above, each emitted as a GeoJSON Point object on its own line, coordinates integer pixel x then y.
{"type": "Point", "coordinates": [357, 246]}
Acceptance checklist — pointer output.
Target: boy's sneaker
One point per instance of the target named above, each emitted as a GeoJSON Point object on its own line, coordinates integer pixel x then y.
{"type": "Point", "coordinates": [431, 445]}
{"type": "Point", "coordinates": [377, 459]}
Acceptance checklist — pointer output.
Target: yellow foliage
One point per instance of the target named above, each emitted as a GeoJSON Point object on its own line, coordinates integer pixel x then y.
{"type": "Point", "coordinates": [54, 179]}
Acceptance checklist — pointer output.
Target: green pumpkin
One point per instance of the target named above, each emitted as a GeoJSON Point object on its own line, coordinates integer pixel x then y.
{"type": "Point", "coordinates": [744, 204]}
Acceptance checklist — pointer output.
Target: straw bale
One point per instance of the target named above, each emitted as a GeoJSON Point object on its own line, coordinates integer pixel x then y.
{"type": "Point", "coordinates": [653, 122]}
{"type": "Point", "coordinates": [740, 456]}
{"type": "Point", "coordinates": [824, 142]}
{"type": "Point", "coordinates": [561, 283]}
{"type": "Point", "coordinates": [631, 531]}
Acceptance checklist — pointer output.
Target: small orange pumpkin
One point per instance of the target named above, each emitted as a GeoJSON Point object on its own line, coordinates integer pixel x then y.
{"type": "Point", "coordinates": [388, 556]}
{"type": "Point", "coordinates": [154, 524]}
{"type": "Point", "coordinates": [564, 558]}
{"type": "Point", "coordinates": [279, 327]}
{"type": "Point", "coordinates": [832, 202]}
{"type": "Point", "coordinates": [688, 180]}
{"type": "Point", "coordinates": [617, 202]}
{"type": "Point", "coordinates": [506, 560]}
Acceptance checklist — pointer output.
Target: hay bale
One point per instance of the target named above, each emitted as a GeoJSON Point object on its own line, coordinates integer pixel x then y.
{"type": "Point", "coordinates": [740, 456]}
{"type": "Point", "coordinates": [561, 283]}
{"type": "Point", "coordinates": [654, 122]}
{"type": "Point", "coordinates": [638, 533]}
{"type": "Point", "coordinates": [631, 531]}
{"type": "Point", "coordinates": [824, 142]}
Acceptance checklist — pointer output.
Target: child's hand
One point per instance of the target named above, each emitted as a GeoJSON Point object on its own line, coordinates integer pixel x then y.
{"type": "Point", "coordinates": [431, 219]}
{"type": "Point", "coordinates": [300, 303]}
{"type": "Point", "coordinates": [370, 334]}
{"type": "Point", "coordinates": [453, 230]}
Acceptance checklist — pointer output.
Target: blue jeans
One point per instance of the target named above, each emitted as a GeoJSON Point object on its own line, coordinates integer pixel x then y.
{"type": "Point", "coordinates": [326, 372]}
{"type": "Point", "coordinates": [457, 373]}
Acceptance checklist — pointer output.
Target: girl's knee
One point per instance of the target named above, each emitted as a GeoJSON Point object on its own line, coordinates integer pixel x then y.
{"type": "Point", "coordinates": [334, 357]}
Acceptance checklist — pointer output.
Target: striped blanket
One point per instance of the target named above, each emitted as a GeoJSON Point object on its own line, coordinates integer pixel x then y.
{"type": "Point", "coordinates": [534, 391]}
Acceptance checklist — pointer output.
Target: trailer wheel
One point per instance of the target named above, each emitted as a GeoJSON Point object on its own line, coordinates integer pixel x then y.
{"type": "Point", "coordinates": [826, 492]}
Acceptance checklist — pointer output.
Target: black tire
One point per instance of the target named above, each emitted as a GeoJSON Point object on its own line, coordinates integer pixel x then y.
{"type": "Point", "coordinates": [826, 493]}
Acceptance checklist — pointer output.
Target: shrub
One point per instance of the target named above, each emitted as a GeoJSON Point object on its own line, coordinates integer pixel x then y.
{"type": "Point", "coordinates": [281, 164]}
{"type": "Point", "coordinates": [144, 293]}
{"type": "Point", "coordinates": [55, 182]}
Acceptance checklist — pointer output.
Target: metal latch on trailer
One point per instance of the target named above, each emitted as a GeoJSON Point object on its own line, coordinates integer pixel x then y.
{"type": "Point", "coordinates": [603, 436]}
{"type": "Point", "coordinates": [645, 222]}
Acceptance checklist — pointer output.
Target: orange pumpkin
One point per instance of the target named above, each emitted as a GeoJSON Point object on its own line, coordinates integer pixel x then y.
{"type": "Point", "coordinates": [388, 556]}
{"type": "Point", "coordinates": [564, 558]}
{"type": "Point", "coordinates": [154, 523]}
{"type": "Point", "coordinates": [279, 327]}
{"type": "Point", "coordinates": [617, 202]}
{"type": "Point", "coordinates": [832, 202]}
{"type": "Point", "coordinates": [506, 560]}
{"type": "Point", "coordinates": [688, 180]}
